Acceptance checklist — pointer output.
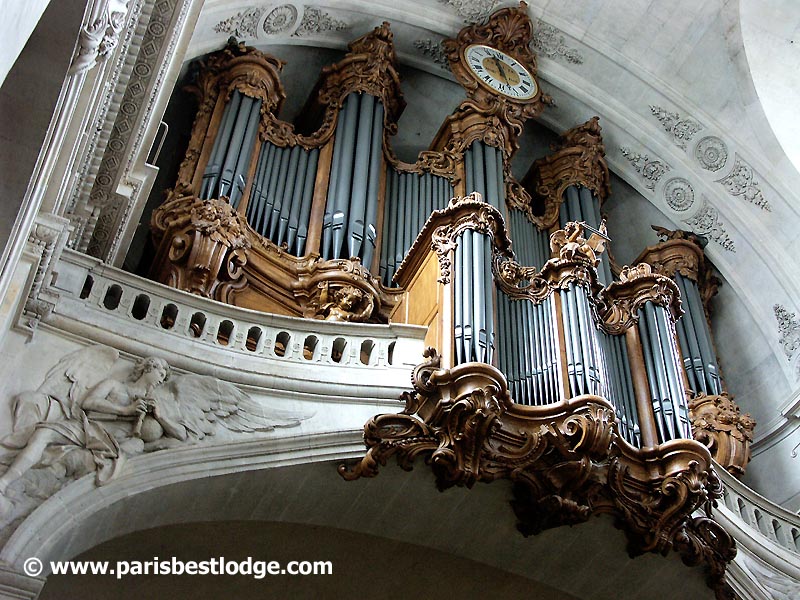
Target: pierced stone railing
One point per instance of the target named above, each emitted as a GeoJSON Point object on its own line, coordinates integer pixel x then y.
{"type": "Point", "coordinates": [760, 515]}
{"type": "Point", "coordinates": [95, 294]}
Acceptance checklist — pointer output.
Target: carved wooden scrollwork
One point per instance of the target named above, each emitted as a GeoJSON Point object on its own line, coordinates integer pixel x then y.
{"type": "Point", "coordinates": [215, 77]}
{"type": "Point", "coordinates": [718, 424]}
{"type": "Point", "coordinates": [207, 246]}
{"type": "Point", "coordinates": [566, 460]}
{"type": "Point", "coordinates": [682, 252]}
{"type": "Point", "coordinates": [444, 226]}
{"type": "Point", "coordinates": [578, 159]}
{"type": "Point", "coordinates": [511, 31]}
{"type": "Point", "coordinates": [575, 262]}
{"type": "Point", "coordinates": [370, 66]}
{"type": "Point", "coordinates": [619, 303]}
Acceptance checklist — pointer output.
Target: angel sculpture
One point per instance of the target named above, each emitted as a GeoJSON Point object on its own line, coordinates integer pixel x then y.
{"type": "Point", "coordinates": [569, 243]}
{"type": "Point", "coordinates": [85, 417]}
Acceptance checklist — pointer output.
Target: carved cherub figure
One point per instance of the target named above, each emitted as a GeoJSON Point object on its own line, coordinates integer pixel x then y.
{"type": "Point", "coordinates": [349, 304]}
{"type": "Point", "coordinates": [569, 243]}
{"type": "Point", "coordinates": [85, 418]}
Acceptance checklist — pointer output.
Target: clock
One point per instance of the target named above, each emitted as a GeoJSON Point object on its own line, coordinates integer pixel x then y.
{"type": "Point", "coordinates": [500, 72]}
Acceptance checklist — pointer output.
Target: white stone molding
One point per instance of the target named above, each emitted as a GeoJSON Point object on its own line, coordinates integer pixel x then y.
{"type": "Point", "coordinates": [16, 585]}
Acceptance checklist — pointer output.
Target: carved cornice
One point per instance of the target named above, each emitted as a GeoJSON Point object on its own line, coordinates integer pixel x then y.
{"type": "Point", "coordinates": [443, 227]}
{"type": "Point", "coordinates": [565, 459]}
{"type": "Point", "coordinates": [578, 159]}
{"type": "Point", "coordinates": [718, 423]}
{"type": "Point", "coordinates": [370, 67]}
{"type": "Point", "coordinates": [682, 252]}
{"type": "Point", "coordinates": [619, 303]}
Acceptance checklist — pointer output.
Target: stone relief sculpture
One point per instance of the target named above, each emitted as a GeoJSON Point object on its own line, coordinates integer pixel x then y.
{"type": "Point", "coordinates": [88, 416]}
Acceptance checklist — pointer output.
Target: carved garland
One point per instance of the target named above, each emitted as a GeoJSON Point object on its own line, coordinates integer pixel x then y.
{"type": "Point", "coordinates": [718, 424]}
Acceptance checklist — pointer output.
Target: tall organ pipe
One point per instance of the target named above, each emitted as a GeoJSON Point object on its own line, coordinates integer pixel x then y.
{"type": "Point", "coordinates": [375, 160]}
{"type": "Point", "coordinates": [305, 207]}
{"type": "Point", "coordinates": [666, 385]}
{"type": "Point", "coordinates": [229, 161]}
{"type": "Point", "coordinates": [697, 329]}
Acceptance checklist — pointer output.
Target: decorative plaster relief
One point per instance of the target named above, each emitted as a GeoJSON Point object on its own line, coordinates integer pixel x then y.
{"type": "Point", "coordinates": [712, 153]}
{"type": "Point", "coordinates": [434, 51]}
{"type": "Point", "coordinates": [706, 222]}
{"type": "Point", "coordinates": [789, 330]}
{"type": "Point", "coordinates": [104, 205]}
{"type": "Point", "coordinates": [651, 170]}
{"type": "Point", "coordinates": [741, 181]}
{"type": "Point", "coordinates": [84, 418]}
{"type": "Point", "coordinates": [280, 19]}
{"type": "Point", "coordinates": [679, 194]}
{"type": "Point", "coordinates": [549, 41]}
{"type": "Point", "coordinates": [97, 39]}
{"type": "Point", "coordinates": [472, 11]}
{"type": "Point", "coordinates": [243, 24]}
{"type": "Point", "coordinates": [682, 130]}
{"type": "Point", "coordinates": [316, 21]}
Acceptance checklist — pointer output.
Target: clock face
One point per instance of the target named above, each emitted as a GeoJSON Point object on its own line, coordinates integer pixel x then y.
{"type": "Point", "coordinates": [501, 73]}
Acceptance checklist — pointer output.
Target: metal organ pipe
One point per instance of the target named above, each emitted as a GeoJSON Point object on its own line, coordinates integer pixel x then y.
{"type": "Point", "coordinates": [473, 321]}
{"type": "Point", "coordinates": [375, 161]}
{"type": "Point", "coordinates": [701, 350]}
{"type": "Point", "coordinates": [666, 386]}
{"type": "Point", "coordinates": [233, 146]}
{"type": "Point", "coordinates": [410, 199]}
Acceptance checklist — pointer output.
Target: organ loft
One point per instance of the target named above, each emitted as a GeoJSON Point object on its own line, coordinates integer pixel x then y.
{"type": "Point", "coordinates": [593, 386]}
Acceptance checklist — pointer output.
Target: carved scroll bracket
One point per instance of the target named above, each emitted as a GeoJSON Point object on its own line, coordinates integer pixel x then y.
{"type": "Point", "coordinates": [565, 459]}
{"type": "Point", "coordinates": [579, 159]}
{"type": "Point", "coordinates": [619, 303]}
{"type": "Point", "coordinates": [718, 424]}
{"type": "Point", "coordinates": [203, 245]}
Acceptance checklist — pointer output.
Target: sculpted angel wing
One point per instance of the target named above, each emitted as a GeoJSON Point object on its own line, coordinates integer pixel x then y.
{"type": "Point", "coordinates": [201, 403]}
{"type": "Point", "coordinates": [557, 240]}
{"type": "Point", "coordinates": [64, 385]}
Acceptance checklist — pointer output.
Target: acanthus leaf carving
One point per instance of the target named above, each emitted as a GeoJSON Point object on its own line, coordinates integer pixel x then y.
{"type": "Point", "coordinates": [681, 129]}
{"type": "Point", "coordinates": [565, 460]}
{"type": "Point", "coordinates": [742, 182]}
{"type": "Point", "coordinates": [651, 170]}
{"type": "Point", "coordinates": [203, 246]}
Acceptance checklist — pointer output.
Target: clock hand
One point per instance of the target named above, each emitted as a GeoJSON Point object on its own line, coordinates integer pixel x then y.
{"type": "Point", "coordinates": [500, 68]}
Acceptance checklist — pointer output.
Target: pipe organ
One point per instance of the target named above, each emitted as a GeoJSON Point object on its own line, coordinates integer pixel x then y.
{"type": "Point", "coordinates": [549, 365]}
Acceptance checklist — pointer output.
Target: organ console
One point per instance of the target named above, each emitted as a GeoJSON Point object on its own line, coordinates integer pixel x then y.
{"type": "Point", "coordinates": [594, 388]}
